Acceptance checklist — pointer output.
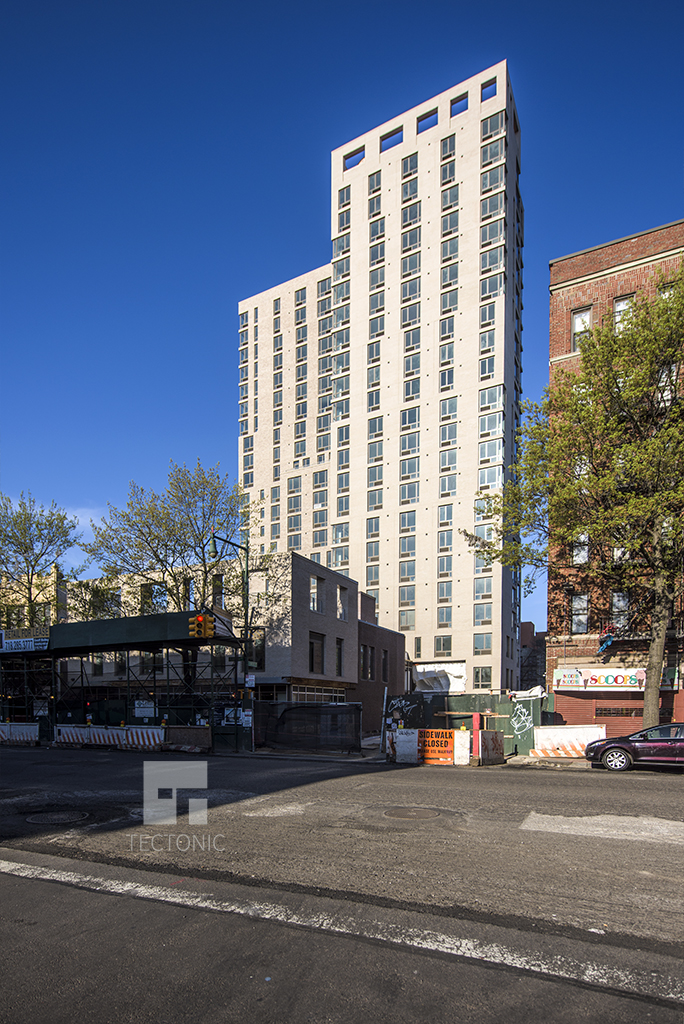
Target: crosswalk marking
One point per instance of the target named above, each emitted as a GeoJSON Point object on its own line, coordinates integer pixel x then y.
{"type": "Point", "coordinates": [609, 826]}
{"type": "Point", "coordinates": [595, 972]}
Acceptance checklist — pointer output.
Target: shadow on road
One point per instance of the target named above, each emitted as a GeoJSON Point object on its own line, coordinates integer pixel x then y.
{"type": "Point", "coordinates": [102, 790]}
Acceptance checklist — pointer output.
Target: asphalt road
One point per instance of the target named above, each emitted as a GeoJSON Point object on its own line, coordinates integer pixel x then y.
{"type": "Point", "coordinates": [71, 954]}
{"type": "Point", "coordinates": [504, 888]}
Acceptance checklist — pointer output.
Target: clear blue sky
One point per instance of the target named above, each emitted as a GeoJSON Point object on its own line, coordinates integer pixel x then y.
{"type": "Point", "coordinates": [164, 158]}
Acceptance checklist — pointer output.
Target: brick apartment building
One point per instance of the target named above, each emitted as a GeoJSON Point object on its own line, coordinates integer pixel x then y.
{"type": "Point", "coordinates": [590, 687]}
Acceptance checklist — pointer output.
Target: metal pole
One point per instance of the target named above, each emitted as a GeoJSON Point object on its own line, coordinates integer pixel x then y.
{"type": "Point", "coordinates": [213, 553]}
{"type": "Point", "coordinates": [384, 721]}
{"type": "Point", "coordinates": [52, 703]}
{"type": "Point", "coordinates": [26, 687]}
{"type": "Point", "coordinates": [245, 609]}
{"type": "Point", "coordinates": [235, 700]}
{"type": "Point", "coordinates": [166, 716]}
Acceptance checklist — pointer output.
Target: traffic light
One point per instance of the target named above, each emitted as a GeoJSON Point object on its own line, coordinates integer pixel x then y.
{"type": "Point", "coordinates": [201, 625]}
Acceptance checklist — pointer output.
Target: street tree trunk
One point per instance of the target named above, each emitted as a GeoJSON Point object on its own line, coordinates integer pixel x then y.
{"type": "Point", "coordinates": [662, 609]}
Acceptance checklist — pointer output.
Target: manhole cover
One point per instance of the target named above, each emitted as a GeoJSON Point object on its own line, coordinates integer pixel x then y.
{"type": "Point", "coordinates": [411, 812]}
{"type": "Point", "coordinates": [57, 817]}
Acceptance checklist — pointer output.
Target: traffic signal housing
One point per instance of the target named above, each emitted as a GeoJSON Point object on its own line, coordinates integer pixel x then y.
{"type": "Point", "coordinates": [201, 625]}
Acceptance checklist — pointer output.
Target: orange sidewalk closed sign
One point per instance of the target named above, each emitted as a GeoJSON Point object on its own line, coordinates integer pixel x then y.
{"type": "Point", "coordinates": [436, 746]}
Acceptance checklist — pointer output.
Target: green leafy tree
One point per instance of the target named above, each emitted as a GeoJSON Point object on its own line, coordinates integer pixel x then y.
{"type": "Point", "coordinates": [601, 461]}
{"type": "Point", "coordinates": [159, 541]}
{"type": "Point", "coordinates": [33, 542]}
{"type": "Point", "coordinates": [157, 547]}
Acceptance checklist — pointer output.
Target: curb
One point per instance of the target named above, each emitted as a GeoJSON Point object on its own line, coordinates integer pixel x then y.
{"type": "Point", "coordinates": [335, 758]}
{"type": "Point", "coordinates": [528, 761]}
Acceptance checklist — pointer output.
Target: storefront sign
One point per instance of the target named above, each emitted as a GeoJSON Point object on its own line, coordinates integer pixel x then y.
{"type": "Point", "coordinates": [32, 638]}
{"type": "Point", "coordinates": [609, 677]}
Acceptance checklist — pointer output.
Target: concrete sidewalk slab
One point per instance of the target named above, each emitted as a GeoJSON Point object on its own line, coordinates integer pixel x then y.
{"type": "Point", "coordinates": [528, 761]}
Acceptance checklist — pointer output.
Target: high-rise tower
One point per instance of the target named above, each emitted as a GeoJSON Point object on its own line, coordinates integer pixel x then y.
{"type": "Point", "coordinates": [389, 380]}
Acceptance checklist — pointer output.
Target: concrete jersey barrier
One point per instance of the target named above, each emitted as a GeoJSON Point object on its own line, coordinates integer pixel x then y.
{"type": "Point", "coordinates": [565, 740]}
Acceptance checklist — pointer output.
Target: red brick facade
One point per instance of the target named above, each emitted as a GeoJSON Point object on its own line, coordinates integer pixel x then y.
{"type": "Point", "coordinates": [619, 713]}
{"type": "Point", "coordinates": [593, 279]}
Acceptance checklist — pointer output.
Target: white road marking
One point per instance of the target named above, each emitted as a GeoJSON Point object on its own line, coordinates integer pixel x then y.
{"type": "Point", "coordinates": [648, 984]}
{"type": "Point", "coordinates": [609, 826]}
{"type": "Point", "coordinates": [279, 811]}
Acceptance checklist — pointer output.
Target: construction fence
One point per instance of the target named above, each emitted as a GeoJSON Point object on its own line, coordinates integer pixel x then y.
{"type": "Point", "coordinates": [307, 726]}
{"type": "Point", "coordinates": [514, 719]}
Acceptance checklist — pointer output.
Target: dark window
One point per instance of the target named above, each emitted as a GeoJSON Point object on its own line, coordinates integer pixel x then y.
{"type": "Point", "coordinates": [366, 661]}
{"type": "Point", "coordinates": [258, 650]}
{"type": "Point", "coordinates": [316, 653]}
{"type": "Point", "coordinates": [580, 613]}
{"type": "Point", "coordinates": [152, 599]}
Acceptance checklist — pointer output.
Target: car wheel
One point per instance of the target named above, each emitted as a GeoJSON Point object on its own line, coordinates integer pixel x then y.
{"type": "Point", "coordinates": [616, 760]}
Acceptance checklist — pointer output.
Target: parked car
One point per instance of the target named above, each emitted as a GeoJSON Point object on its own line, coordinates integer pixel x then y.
{"type": "Point", "coordinates": [664, 744]}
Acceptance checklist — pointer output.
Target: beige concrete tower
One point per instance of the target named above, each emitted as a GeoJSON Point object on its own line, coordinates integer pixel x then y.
{"type": "Point", "coordinates": [389, 380]}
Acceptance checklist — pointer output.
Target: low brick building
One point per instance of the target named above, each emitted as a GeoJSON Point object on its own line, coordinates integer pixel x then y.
{"type": "Point", "coordinates": [587, 285]}
{"type": "Point", "coordinates": [596, 680]}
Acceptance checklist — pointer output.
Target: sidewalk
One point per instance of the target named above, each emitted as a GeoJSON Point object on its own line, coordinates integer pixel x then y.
{"type": "Point", "coordinates": [369, 755]}
{"type": "Point", "coordinates": [526, 761]}
{"type": "Point", "coordinates": [372, 756]}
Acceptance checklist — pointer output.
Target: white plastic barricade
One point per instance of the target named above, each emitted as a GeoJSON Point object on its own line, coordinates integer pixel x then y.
{"type": "Point", "coordinates": [146, 738]}
{"type": "Point", "coordinates": [19, 732]}
{"type": "Point", "coordinates": [565, 740]}
{"type": "Point", "coordinates": [130, 737]}
{"type": "Point", "coordinates": [112, 737]}
{"type": "Point", "coordinates": [71, 734]}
